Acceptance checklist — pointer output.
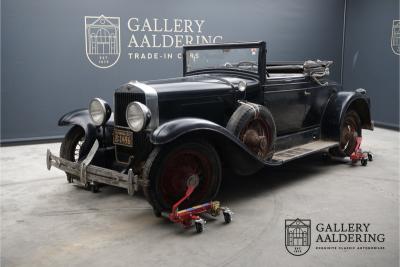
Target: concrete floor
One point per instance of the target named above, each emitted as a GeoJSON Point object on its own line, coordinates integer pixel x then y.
{"type": "Point", "coordinates": [47, 222]}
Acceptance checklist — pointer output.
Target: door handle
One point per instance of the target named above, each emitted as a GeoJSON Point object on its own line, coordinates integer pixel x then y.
{"type": "Point", "coordinates": [307, 92]}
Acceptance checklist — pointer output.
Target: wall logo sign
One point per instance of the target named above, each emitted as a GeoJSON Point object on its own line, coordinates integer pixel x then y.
{"type": "Point", "coordinates": [297, 236]}
{"type": "Point", "coordinates": [103, 40]}
{"type": "Point", "coordinates": [395, 42]}
{"type": "Point", "coordinates": [148, 39]}
{"type": "Point", "coordinates": [163, 38]}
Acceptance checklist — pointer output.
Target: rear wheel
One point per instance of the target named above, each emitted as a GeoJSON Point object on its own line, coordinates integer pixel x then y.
{"type": "Point", "coordinates": [349, 131]}
{"type": "Point", "coordinates": [168, 168]}
{"type": "Point", "coordinates": [71, 147]}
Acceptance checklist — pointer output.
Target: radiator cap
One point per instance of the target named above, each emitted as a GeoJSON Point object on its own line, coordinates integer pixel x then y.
{"type": "Point", "coordinates": [361, 91]}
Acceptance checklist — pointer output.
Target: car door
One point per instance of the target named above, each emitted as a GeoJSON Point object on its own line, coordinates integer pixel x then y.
{"type": "Point", "coordinates": [317, 99]}
{"type": "Point", "coordinates": [287, 103]}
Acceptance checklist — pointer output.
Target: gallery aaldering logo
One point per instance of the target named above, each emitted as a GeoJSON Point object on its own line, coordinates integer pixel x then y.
{"type": "Point", "coordinates": [148, 38]}
{"type": "Point", "coordinates": [297, 236]}
{"type": "Point", "coordinates": [103, 42]}
{"type": "Point", "coordinates": [331, 236]}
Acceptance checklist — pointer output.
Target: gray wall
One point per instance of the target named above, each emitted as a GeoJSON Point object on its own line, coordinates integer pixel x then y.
{"type": "Point", "coordinates": [46, 73]}
{"type": "Point", "coordinates": [369, 61]}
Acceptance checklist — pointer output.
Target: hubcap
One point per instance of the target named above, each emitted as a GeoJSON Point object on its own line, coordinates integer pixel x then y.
{"type": "Point", "coordinates": [349, 136]}
{"type": "Point", "coordinates": [256, 136]}
{"type": "Point", "coordinates": [185, 168]}
{"type": "Point", "coordinates": [193, 181]}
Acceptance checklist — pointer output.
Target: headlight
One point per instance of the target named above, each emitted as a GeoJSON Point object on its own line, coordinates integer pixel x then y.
{"type": "Point", "coordinates": [99, 111]}
{"type": "Point", "coordinates": [137, 116]}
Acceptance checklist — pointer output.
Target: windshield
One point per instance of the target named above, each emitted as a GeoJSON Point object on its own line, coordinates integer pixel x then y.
{"type": "Point", "coordinates": [229, 58]}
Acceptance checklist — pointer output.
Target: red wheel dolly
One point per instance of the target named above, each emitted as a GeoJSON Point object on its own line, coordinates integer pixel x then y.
{"type": "Point", "coordinates": [187, 217]}
{"type": "Point", "coordinates": [360, 155]}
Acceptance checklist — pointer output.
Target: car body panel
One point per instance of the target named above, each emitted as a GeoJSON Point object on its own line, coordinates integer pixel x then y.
{"type": "Point", "coordinates": [336, 108]}
{"type": "Point", "coordinates": [238, 157]}
{"type": "Point", "coordinates": [218, 93]}
{"type": "Point", "coordinates": [81, 118]}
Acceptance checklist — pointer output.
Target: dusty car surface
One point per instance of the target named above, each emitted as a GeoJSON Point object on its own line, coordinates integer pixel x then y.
{"type": "Point", "coordinates": [230, 107]}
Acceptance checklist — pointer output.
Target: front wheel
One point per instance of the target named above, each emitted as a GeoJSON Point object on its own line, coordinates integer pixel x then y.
{"type": "Point", "coordinates": [168, 168]}
{"type": "Point", "coordinates": [71, 147]}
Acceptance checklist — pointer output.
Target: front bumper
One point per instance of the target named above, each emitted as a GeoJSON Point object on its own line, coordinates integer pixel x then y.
{"type": "Point", "coordinates": [90, 174]}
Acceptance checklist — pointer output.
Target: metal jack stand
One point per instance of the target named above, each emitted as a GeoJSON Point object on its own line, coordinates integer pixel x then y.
{"type": "Point", "coordinates": [187, 217]}
{"type": "Point", "coordinates": [356, 156]}
{"type": "Point", "coordinates": [360, 155]}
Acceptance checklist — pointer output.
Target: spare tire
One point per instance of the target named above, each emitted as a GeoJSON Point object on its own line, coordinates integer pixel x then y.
{"type": "Point", "coordinates": [254, 125]}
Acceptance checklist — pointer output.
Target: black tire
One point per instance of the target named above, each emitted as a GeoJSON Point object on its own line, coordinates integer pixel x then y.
{"type": "Point", "coordinates": [370, 157]}
{"type": "Point", "coordinates": [364, 162]}
{"type": "Point", "coordinates": [94, 188]}
{"type": "Point", "coordinates": [227, 217]}
{"type": "Point", "coordinates": [199, 227]}
{"type": "Point", "coordinates": [167, 169]}
{"type": "Point", "coordinates": [254, 125]}
{"type": "Point", "coordinates": [347, 144]}
{"type": "Point", "coordinates": [70, 147]}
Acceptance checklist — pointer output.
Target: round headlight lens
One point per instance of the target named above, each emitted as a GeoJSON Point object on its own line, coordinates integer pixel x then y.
{"type": "Point", "coordinates": [137, 116]}
{"type": "Point", "coordinates": [99, 111]}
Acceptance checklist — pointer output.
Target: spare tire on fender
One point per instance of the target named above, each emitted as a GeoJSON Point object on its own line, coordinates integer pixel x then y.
{"type": "Point", "coordinates": [254, 125]}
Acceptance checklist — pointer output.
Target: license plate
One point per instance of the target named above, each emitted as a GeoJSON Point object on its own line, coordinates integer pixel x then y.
{"type": "Point", "coordinates": [123, 137]}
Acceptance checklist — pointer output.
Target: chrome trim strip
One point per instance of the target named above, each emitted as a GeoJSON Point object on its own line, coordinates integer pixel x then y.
{"type": "Point", "coordinates": [151, 103]}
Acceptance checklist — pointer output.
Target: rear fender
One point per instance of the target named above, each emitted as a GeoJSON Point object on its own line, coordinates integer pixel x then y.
{"type": "Point", "coordinates": [336, 109]}
{"type": "Point", "coordinates": [230, 149]}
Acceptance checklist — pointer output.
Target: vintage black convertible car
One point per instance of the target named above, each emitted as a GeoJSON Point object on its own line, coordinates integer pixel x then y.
{"type": "Point", "coordinates": [230, 108]}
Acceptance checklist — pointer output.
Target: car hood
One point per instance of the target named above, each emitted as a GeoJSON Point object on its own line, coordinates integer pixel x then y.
{"type": "Point", "coordinates": [197, 85]}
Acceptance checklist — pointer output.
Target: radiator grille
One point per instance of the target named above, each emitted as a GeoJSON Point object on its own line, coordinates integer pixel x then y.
{"type": "Point", "coordinates": [122, 99]}
{"type": "Point", "coordinates": [141, 144]}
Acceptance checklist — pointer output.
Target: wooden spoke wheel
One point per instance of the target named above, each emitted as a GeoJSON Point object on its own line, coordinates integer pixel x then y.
{"type": "Point", "coordinates": [256, 135]}
{"type": "Point", "coordinates": [71, 147]}
{"type": "Point", "coordinates": [169, 168]}
{"type": "Point", "coordinates": [349, 131]}
{"type": "Point", "coordinates": [254, 126]}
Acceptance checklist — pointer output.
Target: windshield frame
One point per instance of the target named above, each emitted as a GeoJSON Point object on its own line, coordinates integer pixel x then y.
{"type": "Point", "coordinates": [261, 59]}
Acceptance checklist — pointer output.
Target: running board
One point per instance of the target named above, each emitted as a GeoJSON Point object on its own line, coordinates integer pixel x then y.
{"type": "Point", "coordinates": [296, 152]}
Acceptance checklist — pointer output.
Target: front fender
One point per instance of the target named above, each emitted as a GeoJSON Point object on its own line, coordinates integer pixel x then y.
{"type": "Point", "coordinates": [336, 109]}
{"type": "Point", "coordinates": [231, 150]}
{"type": "Point", "coordinates": [82, 118]}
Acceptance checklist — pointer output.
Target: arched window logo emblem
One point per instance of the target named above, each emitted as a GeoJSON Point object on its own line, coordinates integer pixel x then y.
{"type": "Point", "coordinates": [103, 41]}
{"type": "Point", "coordinates": [297, 236]}
{"type": "Point", "coordinates": [395, 41]}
